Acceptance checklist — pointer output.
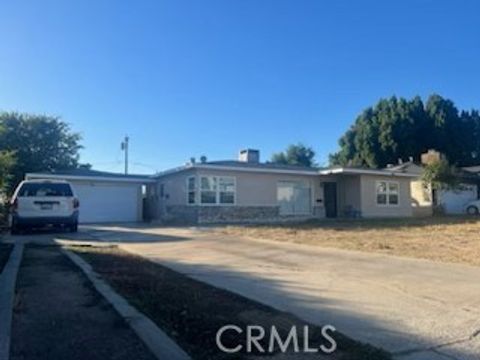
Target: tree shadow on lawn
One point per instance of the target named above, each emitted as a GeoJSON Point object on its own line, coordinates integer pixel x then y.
{"type": "Point", "coordinates": [125, 233]}
{"type": "Point", "coordinates": [191, 309]}
{"type": "Point", "coordinates": [379, 332]}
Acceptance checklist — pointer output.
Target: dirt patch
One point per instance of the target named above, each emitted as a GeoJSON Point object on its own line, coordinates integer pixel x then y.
{"type": "Point", "coordinates": [191, 312]}
{"type": "Point", "coordinates": [446, 239]}
{"type": "Point", "coordinates": [58, 315]}
{"type": "Point", "coordinates": [5, 250]}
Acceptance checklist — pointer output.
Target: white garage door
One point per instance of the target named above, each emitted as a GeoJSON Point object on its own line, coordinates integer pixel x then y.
{"type": "Point", "coordinates": [454, 201]}
{"type": "Point", "coordinates": [107, 202]}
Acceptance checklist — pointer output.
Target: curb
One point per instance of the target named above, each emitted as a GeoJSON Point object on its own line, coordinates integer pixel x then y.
{"type": "Point", "coordinates": [155, 339]}
{"type": "Point", "coordinates": [8, 279]}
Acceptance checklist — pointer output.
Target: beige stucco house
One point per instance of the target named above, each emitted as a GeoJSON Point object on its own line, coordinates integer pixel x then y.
{"type": "Point", "coordinates": [246, 190]}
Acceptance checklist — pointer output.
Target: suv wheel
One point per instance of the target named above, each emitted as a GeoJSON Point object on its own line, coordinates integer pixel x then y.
{"type": "Point", "coordinates": [472, 210]}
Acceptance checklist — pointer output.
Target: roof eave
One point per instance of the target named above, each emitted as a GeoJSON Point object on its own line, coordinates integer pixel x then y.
{"type": "Point", "coordinates": [147, 179]}
{"type": "Point", "coordinates": [338, 171]}
{"type": "Point", "coordinates": [252, 169]}
{"type": "Point", "coordinates": [313, 172]}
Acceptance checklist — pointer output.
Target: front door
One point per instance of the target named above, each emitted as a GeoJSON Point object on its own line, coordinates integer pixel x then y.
{"type": "Point", "coordinates": [330, 196]}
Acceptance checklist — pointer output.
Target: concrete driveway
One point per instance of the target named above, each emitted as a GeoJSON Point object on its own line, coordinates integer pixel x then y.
{"type": "Point", "coordinates": [416, 309]}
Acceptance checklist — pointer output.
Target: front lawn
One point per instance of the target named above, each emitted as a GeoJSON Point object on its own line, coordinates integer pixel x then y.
{"type": "Point", "coordinates": [447, 239]}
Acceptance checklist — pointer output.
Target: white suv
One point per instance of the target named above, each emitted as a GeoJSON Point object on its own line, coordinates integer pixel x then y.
{"type": "Point", "coordinates": [38, 203]}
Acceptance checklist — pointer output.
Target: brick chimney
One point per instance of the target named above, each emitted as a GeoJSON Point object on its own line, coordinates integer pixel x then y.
{"type": "Point", "coordinates": [431, 156]}
{"type": "Point", "coordinates": [249, 156]}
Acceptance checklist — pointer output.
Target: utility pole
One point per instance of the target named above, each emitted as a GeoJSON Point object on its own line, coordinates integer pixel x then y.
{"type": "Point", "coordinates": [125, 148]}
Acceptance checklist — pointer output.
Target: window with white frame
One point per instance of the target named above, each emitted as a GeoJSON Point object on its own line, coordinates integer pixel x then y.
{"type": "Point", "coordinates": [212, 190]}
{"type": "Point", "coordinates": [191, 190]}
{"type": "Point", "coordinates": [387, 193]}
{"type": "Point", "coordinates": [226, 190]}
{"type": "Point", "coordinates": [208, 190]}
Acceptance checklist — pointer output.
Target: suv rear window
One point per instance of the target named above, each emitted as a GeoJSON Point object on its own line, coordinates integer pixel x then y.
{"type": "Point", "coordinates": [45, 189]}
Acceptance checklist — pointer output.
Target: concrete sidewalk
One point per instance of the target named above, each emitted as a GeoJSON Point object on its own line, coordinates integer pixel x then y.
{"type": "Point", "coordinates": [58, 315]}
{"type": "Point", "coordinates": [415, 308]}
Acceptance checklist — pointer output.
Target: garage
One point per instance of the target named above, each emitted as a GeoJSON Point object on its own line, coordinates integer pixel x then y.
{"type": "Point", "coordinates": [454, 201]}
{"type": "Point", "coordinates": [104, 197]}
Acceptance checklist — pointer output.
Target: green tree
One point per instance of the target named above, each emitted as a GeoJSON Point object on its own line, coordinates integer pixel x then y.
{"type": "Point", "coordinates": [440, 175]}
{"type": "Point", "coordinates": [38, 143]}
{"type": "Point", "coordinates": [399, 128]}
{"type": "Point", "coordinates": [6, 163]}
{"type": "Point", "coordinates": [295, 154]}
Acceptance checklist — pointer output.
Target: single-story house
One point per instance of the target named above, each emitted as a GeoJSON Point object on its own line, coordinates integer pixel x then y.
{"type": "Point", "coordinates": [247, 190]}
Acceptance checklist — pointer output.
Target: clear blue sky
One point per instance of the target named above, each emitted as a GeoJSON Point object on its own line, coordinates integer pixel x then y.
{"type": "Point", "coordinates": [186, 78]}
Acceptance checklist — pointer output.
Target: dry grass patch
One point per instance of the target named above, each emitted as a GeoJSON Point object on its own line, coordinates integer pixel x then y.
{"type": "Point", "coordinates": [191, 312]}
{"type": "Point", "coordinates": [447, 239]}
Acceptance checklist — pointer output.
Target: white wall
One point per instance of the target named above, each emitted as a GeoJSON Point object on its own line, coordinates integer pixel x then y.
{"type": "Point", "coordinates": [454, 201]}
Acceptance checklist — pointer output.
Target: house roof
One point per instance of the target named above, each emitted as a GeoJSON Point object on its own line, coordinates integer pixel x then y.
{"type": "Point", "coordinates": [243, 164]}
{"type": "Point", "coordinates": [88, 174]}
{"type": "Point", "coordinates": [409, 166]}
{"type": "Point", "coordinates": [234, 165]}
{"type": "Point", "coordinates": [466, 173]}
{"type": "Point", "coordinates": [230, 165]}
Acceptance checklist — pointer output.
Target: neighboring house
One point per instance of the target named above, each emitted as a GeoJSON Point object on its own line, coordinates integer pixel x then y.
{"type": "Point", "coordinates": [421, 195]}
{"type": "Point", "coordinates": [449, 201]}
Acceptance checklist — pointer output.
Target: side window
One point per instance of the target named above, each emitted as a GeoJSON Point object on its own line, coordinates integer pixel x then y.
{"type": "Point", "coordinates": [387, 193]}
{"type": "Point", "coordinates": [393, 193]}
{"type": "Point", "coordinates": [381, 193]}
{"type": "Point", "coordinates": [191, 190]}
{"type": "Point", "coordinates": [226, 188]}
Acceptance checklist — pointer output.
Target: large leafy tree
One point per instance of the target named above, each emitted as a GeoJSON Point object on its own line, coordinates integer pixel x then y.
{"type": "Point", "coordinates": [295, 154]}
{"type": "Point", "coordinates": [399, 128]}
{"type": "Point", "coordinates": [6, 163]}
{"type": "Point", "coordinates": [37, 143]}
{"type": "Point", "coordinates": [440, 174]}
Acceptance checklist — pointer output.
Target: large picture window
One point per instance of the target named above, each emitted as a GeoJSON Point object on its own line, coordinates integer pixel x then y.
{"type": "Point", "coordinates": [212, 190]}
{"type": "Point", "coordinates": [387, 193]}
{"type": "Point", "coordinates": [294, 198]}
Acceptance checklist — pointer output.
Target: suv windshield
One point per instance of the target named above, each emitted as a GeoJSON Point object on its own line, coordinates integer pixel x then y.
{"type": "Point", "coordinates": [45, 189]}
